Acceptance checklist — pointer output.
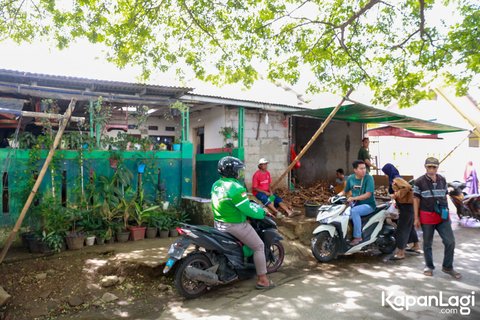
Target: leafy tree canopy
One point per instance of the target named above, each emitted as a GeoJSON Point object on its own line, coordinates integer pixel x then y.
{"type": "Point", "coordinates": [395, 47]}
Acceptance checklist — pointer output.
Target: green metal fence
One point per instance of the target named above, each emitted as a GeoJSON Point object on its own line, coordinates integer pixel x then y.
{"type": "Point", "coordinates": [166, 175]}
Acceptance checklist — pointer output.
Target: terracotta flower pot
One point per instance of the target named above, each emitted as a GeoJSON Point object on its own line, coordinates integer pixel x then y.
{"type": "Point", "coordinates": [137, 233]}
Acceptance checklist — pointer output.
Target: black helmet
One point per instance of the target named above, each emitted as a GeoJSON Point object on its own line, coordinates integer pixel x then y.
{"type": "Point", "coordinates": [229, 167]}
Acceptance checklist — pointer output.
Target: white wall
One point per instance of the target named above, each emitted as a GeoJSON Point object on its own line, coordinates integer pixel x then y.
{"type": "Point", "coordinates": [212, 120]}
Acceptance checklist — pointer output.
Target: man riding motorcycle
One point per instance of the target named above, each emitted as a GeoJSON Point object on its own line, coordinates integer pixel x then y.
{"type": "Point", "coordinates": [231, 207]}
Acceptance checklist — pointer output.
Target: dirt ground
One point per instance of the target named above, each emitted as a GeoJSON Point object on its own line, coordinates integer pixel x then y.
{"type": "Point", "coordinates": [67, 285]}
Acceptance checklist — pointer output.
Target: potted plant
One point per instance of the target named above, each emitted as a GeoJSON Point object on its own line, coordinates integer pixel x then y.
{"type": "Point", "coordinates": [74, 238]}
{"type": "Point", "coordinates": [114, 158]}
{"type": "Point", "coordinates": [55, 223]}
{"type": "Point", "coordinates": [229, 135]}
{"type": "Point", "coordinates": [163, 224]}
{"type": "Point", "coordinates": [176, 144]}
{"type": "Point", "coordinates": [140, 214]}
{"type": "Point", "coordinates": [152, 219]}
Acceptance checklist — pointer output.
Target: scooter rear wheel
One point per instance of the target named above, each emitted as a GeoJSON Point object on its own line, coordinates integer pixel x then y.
{"type": "Point", "coordinates": [187, 287]}
{"type": "Point", "coordinates": [275, 256]}
{"type": "Point", "coordinates": [324, 247]}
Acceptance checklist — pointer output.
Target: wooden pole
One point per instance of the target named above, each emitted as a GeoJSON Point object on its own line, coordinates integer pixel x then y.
{"type": "Point", "coordinates": [14, 232]}
{"type": "Point", "coordinates": [472, 122]}
{"type": "Point", "coordinates": [312, 140]}
{"type": "Point", "coordinates": [458, 145]}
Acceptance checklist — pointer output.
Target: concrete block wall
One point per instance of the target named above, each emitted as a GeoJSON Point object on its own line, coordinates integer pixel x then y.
{"type": "Point", "coordinates": [272, 142]}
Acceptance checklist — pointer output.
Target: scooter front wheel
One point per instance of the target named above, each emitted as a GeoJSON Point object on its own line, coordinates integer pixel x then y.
{"type": "Point", "coordinates": [324, 247]}
{"type": "Point", "coordinates": [190, 288]}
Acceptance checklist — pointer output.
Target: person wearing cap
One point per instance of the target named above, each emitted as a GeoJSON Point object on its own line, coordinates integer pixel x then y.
{"type": "Point", "coordinates": [431, 213]}
{"type": "Point", "coordinates": [261, 182]}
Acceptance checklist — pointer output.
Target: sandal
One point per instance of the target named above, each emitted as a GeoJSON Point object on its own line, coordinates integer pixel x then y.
{"type": "Point", "coordinates": [428, 272]}
{"type": "Point", "coordinates": [417, 251]}
{"type": "Point", "coordinates": [270, 285]}
{"type": "Point", "coordinates": [355, 241]}
{"type": "Point", "coordinates": [456, 275]}
{"type": "Point", "coordinates": [395, 257]}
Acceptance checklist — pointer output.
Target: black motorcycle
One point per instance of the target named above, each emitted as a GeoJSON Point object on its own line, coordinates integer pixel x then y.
{"type": "Point", "coordinates": [466, 205]}
{"type": "Point", "coordinates": [219, 258]}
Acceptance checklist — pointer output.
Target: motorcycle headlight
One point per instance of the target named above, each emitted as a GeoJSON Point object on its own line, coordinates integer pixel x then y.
{"type": "Point", "coordinates": [324, 220]}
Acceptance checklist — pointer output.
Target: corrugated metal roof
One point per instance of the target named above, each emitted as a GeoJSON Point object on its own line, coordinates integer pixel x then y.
{"type": "Point", "coordinates": [91, 85]}
{"type": "Point", "coordinates": [201, 98]}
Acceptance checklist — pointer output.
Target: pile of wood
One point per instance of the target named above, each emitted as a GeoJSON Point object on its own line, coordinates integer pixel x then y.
{"type": "Point", "coordinates": [318, 193]}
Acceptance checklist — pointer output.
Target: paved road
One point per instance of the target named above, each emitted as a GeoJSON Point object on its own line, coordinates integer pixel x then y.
{"type": "Point", "coordinates": [351, 287]}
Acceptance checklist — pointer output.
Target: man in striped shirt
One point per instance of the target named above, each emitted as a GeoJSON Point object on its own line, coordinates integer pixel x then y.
{"type": "Point", "coordinates": [429, 202]}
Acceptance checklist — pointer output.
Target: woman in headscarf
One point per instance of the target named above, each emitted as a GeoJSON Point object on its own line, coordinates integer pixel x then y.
{"type": "Point", "coordinates": [471, 179]}
{"type": "Point", "coordinates": [402, 192]}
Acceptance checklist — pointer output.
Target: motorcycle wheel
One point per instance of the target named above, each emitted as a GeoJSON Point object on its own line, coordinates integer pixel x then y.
{"type": "Point", "coordinates": [275, 257]}
{"type": "Point", "coordinates": [389, 247]}
{"type": "Point", "coordinates": [187, 287]}
{"type": "Point", "coordinates": [324, 247]}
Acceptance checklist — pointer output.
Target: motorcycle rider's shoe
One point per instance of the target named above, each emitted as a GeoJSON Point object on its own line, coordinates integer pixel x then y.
{"type": "Point", "coordinates": [279, 215]}
{"type": "Point", "coordinates": [355, 241]}
{"type": "Point", "coordinates": [270, 285]}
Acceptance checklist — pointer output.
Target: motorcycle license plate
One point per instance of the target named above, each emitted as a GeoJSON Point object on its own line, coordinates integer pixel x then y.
{"type": "Point", "coordinates": [169, 265]}
{"type": "Point", "coordinates": [176, 250]}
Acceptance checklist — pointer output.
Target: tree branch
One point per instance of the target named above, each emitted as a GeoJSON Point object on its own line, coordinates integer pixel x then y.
{"type": "Point", "coordinates": [198, 24]}
{"type": "Point", "coordinates": [422, 18]}
{"type": "Point", "coordinates": [400, 45]}
{"type": "Point", "coordinates": [360, 12]}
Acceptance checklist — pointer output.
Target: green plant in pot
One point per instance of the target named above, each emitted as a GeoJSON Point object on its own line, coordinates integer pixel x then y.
{"type": "Point", "coordinates": [163, 223]}
{"type": "Point", "coordinates": [75, 237]}
{"type": "Point", "coordinates": [114, 159]}
{"type": "Point", "coordinates": [55, 221]}
{"type": "Point", "coordinates": [229, 135]}
{"type": "Point", "coordinates": [152, 219]}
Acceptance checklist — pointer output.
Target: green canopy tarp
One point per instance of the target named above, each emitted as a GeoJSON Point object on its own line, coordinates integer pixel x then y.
{"type": "Point", "coordinates": [366, 114]}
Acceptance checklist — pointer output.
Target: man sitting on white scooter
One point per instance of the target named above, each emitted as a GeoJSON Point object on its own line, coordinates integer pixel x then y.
{"type": "Point", "coordinates": [362, 199]}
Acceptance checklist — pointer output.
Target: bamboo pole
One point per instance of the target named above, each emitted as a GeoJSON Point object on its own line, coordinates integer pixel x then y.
{"type": "Point", "coordinates": [458, 145]}
{"type": "Point", "coordinates": [40, 115]}
{"type": "Point", "coordinates": [40, 177]}
{"type": "Point", "coordinates": [472, 122]}
{"type": "Point", "coordinates": [312, 140]}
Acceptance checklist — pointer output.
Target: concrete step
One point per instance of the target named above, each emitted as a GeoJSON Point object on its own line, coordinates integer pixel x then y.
{"type": "Point", "coordinates": [298, 227]}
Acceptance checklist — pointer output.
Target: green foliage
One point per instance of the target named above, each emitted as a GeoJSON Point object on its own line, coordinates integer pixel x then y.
{"type": "Point", "coordinates": [73, 140]}
{"type": "Point", "coordinates": [26, 140]}
{"type": "Point", "coordinates": [395, 48]}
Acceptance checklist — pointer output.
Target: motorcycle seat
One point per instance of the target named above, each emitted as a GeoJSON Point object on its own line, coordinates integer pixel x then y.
{"type": "Point", "coordinates": [212, 230]}
{"type": "Point", "coordinates": [377, 210]}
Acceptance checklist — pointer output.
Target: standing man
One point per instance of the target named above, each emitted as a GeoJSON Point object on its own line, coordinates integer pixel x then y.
{"type": "Point", "coordinates": [261, 181]}
{"type": "Point", "coordinates": [363, 200]}
{"type": "Point", "coordinates": [364, 154]}
{"type": "Point", "coordinates": [431, 213]}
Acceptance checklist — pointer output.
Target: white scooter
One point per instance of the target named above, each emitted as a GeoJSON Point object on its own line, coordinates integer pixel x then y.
{"type": "Point", "coordinates": [330, 237]}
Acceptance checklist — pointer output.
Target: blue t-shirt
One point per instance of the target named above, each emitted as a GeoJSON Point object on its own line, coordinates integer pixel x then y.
{"type": "Point", "coordinates": [359, 187]}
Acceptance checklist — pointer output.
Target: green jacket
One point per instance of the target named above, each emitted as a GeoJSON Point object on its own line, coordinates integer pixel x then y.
{"type": "Point", "coordinates": [230, 202]}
